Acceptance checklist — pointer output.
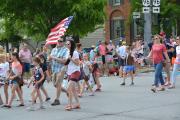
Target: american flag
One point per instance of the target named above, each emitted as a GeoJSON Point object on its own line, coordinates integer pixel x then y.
{"type": "Point", "coordinates": [58, 31]}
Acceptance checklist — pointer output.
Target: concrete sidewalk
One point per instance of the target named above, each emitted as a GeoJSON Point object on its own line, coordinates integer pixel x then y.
{"type": "Point", "coordinates": [115, 102]}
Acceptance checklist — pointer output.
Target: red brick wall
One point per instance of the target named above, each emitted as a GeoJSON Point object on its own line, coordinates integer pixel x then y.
{"type": "Point", "coordinates": [121, 10]}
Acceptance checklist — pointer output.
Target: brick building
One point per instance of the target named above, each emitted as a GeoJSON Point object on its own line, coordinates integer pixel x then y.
{"type": "Point", "coordinates": [117, 16]}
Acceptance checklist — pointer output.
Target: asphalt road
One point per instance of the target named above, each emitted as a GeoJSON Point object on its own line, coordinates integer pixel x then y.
{"type": "Point", "coordinates": [115, 102]}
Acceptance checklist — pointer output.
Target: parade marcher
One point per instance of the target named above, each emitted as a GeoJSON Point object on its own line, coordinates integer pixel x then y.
{"type": "Point", "coordinates": [4, 72]}
{"type": "Point", "coordinates": [26, 59]}
{"type": "Point", "coordinates": [46, 75]}
{"type": "Point", "coordinates": [102, 51]}
{"type": "Point", "coordinates": [110, 48]}
{"type": "Point", "coordinates": [121, 52]}
{"type": "Point", "coordinates": [79, 50]}
{"type": "Point", "coordinates": [92, 54]}
{"type": "Point", "coordinates": [73, 72]}
{"type": "Point", "coordinates": [129, 67]}
{"type": "Point", "coordinates": [176, 63]}
{"type": "Point", "coordinates": [87, 69]}
{"type": "Point", "coordinates": [16, 77]}
{"type": "Point", "coordinates": [58, 57]}
{"type": "Point", "coordinates": [37, 79]}
{"type": "Point", "coordinates": [157, 52]}
{"type": "Point", "coordinates": [96, 71]}
{"type": "Point", "coordinates": [38, 51]}
{"type": "Point", "coordinates": [169, 48]}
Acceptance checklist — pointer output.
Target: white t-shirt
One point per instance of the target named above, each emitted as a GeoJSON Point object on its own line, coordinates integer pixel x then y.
{"type": "Point", "coordinates": [86, 68]}
{"type": "Point", "coordinates": [178, 54]}
{"type": "Point", "coordinates": [177, 50]}
{"type": "Point", "coordinates": [4, 68]}
{"type": "Point", "coordinates": [72, 67]}
{"type": "Point", "coordinates": [122, 51]}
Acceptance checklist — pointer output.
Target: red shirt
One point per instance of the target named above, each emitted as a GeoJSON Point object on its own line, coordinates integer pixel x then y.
{"type": "Point", "coordinates": [102, 49]}
{"type": "Point", "coordinates": [157, 53]}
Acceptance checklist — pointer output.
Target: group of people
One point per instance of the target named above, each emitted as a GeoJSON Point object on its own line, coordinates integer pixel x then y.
{"type": "Point", "coordinates": [68, 61]}
{"type": "Point", "coordinates": [164, 54]}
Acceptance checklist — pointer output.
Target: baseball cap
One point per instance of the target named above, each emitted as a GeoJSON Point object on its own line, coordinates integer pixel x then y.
{"type": "Point", "coordinates": [162, 33]}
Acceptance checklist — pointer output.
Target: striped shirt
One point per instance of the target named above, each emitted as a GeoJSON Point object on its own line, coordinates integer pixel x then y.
{"type": "Point", "coordinates": [59, 52]}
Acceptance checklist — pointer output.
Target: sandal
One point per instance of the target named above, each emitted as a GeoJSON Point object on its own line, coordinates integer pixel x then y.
{"type": "Point", "coordinates": [167, 84]}
{"type": "Point", "coordinates": [76, 107]}
{"type": "Point", "coordinates": [98, 90]}
{"type": "Point", "coordinates": [68, 108]}
{"type": "Point", "coordinates": [7, 106]}
{"type": "Point", "coordinates": [161, 89]}
{"type": "Point", "coordinates": [20, 105]}
{"type": "Point", "coordinates": [80, 95]}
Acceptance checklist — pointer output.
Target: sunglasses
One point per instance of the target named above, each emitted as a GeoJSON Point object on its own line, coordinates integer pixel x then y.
{"type": "Point", "coordinates": [67, 44]}
{"type": "Point", "coordinates": [60, 41]}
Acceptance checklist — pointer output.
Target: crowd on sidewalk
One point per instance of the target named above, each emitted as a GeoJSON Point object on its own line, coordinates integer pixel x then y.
{"type": "Point", "coordinates": [81, 70]}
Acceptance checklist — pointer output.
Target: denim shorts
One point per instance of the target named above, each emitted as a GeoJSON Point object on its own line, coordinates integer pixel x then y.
{"type": "Point", "coordinates": [128, 68]}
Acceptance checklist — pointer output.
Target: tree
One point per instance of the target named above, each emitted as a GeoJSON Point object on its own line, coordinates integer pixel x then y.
{"type": "Point", "coordinates": [35, 18]}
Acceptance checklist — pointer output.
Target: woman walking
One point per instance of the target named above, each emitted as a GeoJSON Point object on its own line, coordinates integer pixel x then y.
{"type": "Point", "coordinates": [176, 64]}
{"type": "Point", "coordinates": [16, 77]}
{"type": "Point", "coordinates": [157, 52]}
{"type": "Point", "coordinates": [73, 72]}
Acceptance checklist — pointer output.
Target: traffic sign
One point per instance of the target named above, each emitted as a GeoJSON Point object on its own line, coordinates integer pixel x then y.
{"type": "Point", "coordinates": [146, 3]}
{"type": "Point", "coordinates": [136, 15]}
{"type": "Point", "coordinates": [156, 9]}
{"type": "Point", "coordinates": [156, 3]}
{"type": "Point", "coordinates": [146, 9]}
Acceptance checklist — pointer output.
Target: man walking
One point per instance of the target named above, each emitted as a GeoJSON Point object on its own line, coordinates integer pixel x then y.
{"type": "Point", "coordinates": [58, 57]}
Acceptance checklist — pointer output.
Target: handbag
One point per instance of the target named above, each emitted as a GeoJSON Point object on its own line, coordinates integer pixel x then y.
{"type": "Point", "coordinates": [19, 79]}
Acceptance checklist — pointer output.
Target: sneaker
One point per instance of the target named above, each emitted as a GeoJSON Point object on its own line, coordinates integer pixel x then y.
{"type": "Point", "coordinates": [41, 107]}
{"type": "Point", "coordinates": [153, 89]}
{"type": "Point", "coordinates": [47, 99]}
{"type": "Point", "coordinates": [31, 108]}
{"type": "Point", "coordinates": [123, 83]}
{"type": "Point", "coordinates": [171, 87]}
{"type": "Point", "coordinates": [92, 94]}
{"type": "Point", "coordinates": [56, 102]}
{"type": "Point", "coordinates": [132, 84]}
{"type": "Point", "coordinates": [1, 103]}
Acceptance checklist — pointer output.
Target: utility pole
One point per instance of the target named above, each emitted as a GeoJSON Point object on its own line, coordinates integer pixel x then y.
{"type": "Point", "coordinates": [147, 32]}
{"type": "Point", "coordinates": [148, 10]}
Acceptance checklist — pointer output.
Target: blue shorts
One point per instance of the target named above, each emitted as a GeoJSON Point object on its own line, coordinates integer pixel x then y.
{"type": "Point", "coordinates": [26, 67]}
{"type": "Point", "coordinates": [128, 68]}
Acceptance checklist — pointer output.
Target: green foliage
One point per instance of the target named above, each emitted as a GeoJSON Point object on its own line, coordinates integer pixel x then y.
{"type": "Point", "coordinates": [169, 13]}
{"type": "Point", "coordinates": [35, 18]}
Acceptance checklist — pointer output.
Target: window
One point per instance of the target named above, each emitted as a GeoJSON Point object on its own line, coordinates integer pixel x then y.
{"type": "Point", "coordinates": [116, 2]}
{"type": "Point", "coordinates": [117, 28]}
